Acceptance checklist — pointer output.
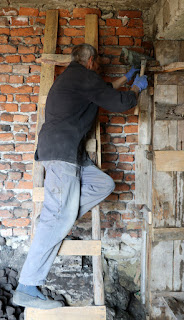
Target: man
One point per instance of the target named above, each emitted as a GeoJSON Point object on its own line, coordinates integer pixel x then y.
{"type": "Point", "coordinates": [73, 184]}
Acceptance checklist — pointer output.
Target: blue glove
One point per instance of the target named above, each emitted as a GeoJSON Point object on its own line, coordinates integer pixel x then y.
{"type": "Point", "coordinates": [140, 82]}
{"type": "Point", "coordinates": [130, 73]}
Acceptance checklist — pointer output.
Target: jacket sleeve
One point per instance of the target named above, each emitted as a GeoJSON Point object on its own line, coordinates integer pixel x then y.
{"type": "Point", "coordinates": [104, 95]}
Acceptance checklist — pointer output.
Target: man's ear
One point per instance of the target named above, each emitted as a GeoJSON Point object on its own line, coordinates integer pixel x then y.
{"type": "Point", "coordinates": [90, 63]}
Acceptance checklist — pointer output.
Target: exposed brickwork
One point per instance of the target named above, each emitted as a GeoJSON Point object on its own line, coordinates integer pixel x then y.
{"type": "Point", "coordinates": [21, 42]}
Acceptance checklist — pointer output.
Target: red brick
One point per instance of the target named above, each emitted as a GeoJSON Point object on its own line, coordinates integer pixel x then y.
{"type": "Point", "coordinates": [124, 41]}
{"type": "Point", "coordinates": [18, 166]}
{"type": "Point", "coordinates": [63, 22]}
{"type": "Point", "coordinates": [20, 137]}
{"type": "Point", "coordinates": [4, 22]}
{"type": "Point", "coordinates": [5, 31]}
{"type": "Point", "coordinates": [132, 32]}
{"type": "Point", "coordinates": [124, 166]}
{"type": "Point", "coordinates": [122, 149]}
{"type": "Point", "coordinates": [114, 129]}
{"type": "Point", "coordinates": [5, 214]}
{"type": "Point", "coordinates": [105, 138]}
{"type": "Point", "coordinates": [108, 148]}
{"type": "Point", "coordinates": [28, 12]}
{"type": "Point", "coordinates": [14, 157]}
{"type": "Point", "coordinates": [19, 232]}
{"type": "Point", "coordinates": [139, 50]}
{"type": "Point", "coordinates": [77, 41]}
{"type": "Point", "coordinates": [132, 119]}
{"type": "Point", "coordinates": [25, 147]}
{"type": "Point", "coordinates": [22, 222]}
{"type": "Point", "coordinates": [137, 42]}
{"type": "Point", "coordinates": [4, 78]}
{"type": "Point", "coordinates": [4, 48]}
{"type": "Point", "coordinates": [133, 186]}
{"type": "Point", "coordinates": [114, 233]}
{"type": "Point", "coordinates": [33, 79]}
{"type": "Point", "coordinates": [28, 58]}
{"type": "Point", "coordinates": [25, 50]}
{"type": "Point", "coordinates": [14, 175]}
{"type": "Point", "coordinates": [131, 129]}
{"type": "Point", "coordinates": [81, 12]}
{"type": "Point", "coordinates": [117, 119]}
{"type": "Point", "coordinates": [104, 118]}
{"type": "Point", "coordinates": [135, 23]}
{"type": "Point", "coordinates": [108, 165]}
{"type": "Point", "coordinates": [6, 136]}
{"type": "Point", "coordinates": [22, 98]}
{"type": "Point", "coordinates": [126, 158]}
{"type": "Point", "coordinates": [109, 157]}
{"type": "Point", "coordinates": [132, 147]}
{"type": "Point", "coordinates": [116, 175]}
{"type": "Point", "coordinates": [25, 32]}
{"type": "Point", "coordinates": [9, 97]}
{"type": "Point", "coordinates": [147, 44]}
{"type": "Point", "coordinates": [129, 177]}
{"type": "Point", "coordinates": [9, 185]}
{"type": "Point", "coordinates": [7, 117]}
{"type": "Point", "coordinates": [64, 40]}
{"type": "Point", "coordinates": [67, 51]}
{"type": "Point", "coordinates": [112, 51]}
{"type": "Point", "coordinates": [27, 176]}
{"type": "Point", "coordinates": [19, 212]}
{"type": "Point", "coordinates": [12, 59]}
{"type": "Point", "coordinates": [30, 40]}
{"type": "Point", "coordinates": [25, 185]}
{"type": "Point", "coordinates": [74, 32]}
{"type": "Point", "coordinates": [28, 156]}
{"type": "Point", "coordinates": [111, 41]}
{"type": "Point", "coordinates": [6, 147]}
{"type": "Point", "coordinates": [28, 107]}
{"type": "Point", "coordinates": [130, 14]}
{"type": "Point", "coordinates": [77, 22]}
{"type": "Point", "coordinates": [6, 195]}
{"type": "Point", "coordinates": [20, 69]}
{"type": "Point", "coordinates": [110, 31]}
{"type": "Point", "coordinates": [2, 98]}
{"type": "Point", "coordinates": [6, 68]}
{"type": "Point", "coordinates": [34, 99]}
{"type": "Point", "coordinates": [132, 138]}
{"type": "Point", "coordinates": [20, 118]}
{"type": "Point", "coordinates": [114, 22]}
{"type": "Point", "coordinates": [3, 39]}
{"type": "Point", "coordinates": [9, 89]}
{"type": "Point", "coordinates": [33, 117]}
{"type": "Point", "coordinates": [112, 197]}
{"type": "Point", "coordinates": [19, 21]}
{"type": "Point", "coordinates": [21, 128]}
{"type": "Point", "coordinates": [117, 140]}
{"type": "Point", "coordinates": [40, 21]}
{"type": "Point", "coordinates": [64, 13]}
{"type": "Point", "coordinates": [16, 79]}
{"type": "Point", "coordinates": [23, 196]}
{"type": "Point", "coordinates": [4, 165]}
{"type": "Point", "coordinates": [9, 11]}
{"type": "Point", "coordinates": [35, 69]}
{"type": "Point", "coordinates": [122, 187]}
{"type": "Point", "coordinates": [2, 106]}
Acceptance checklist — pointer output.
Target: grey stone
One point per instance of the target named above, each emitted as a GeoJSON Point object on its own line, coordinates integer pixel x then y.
{"type": "Point", "coordinates": [3, 280]}
{"type": "Point", "coordinates": [119, 299]}
{"type": "Point", "coordinates": [12, 281]}
{"type": "Point", "coordinates": [13, 273]}
{"type": "Point", "coordinates": [136, 309]}
{"type": "Point", "coordinates": [2, 273]}
{"type": "Point", "coordinates": [110, 313]}
{"type": "Point", "coordinates": [1, 313]}
{"type": "Point", "coordinates": [123, 315]}
{"type": "Point", "coordinates": [21, 317]}
{"type": "Point", "coordinates": [7, 287]}
{"type": "Point", "coordinates": [12, 317]}
{"type": "Point", "coordinates": [10, 311]}
{"type": "Point", "coordinates": [4, 299]}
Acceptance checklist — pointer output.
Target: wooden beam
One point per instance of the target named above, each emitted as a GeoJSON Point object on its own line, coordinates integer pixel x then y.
{"type": "Point", "coordinates": [80, 248]}
{"type": "Point", "coordinates": [165, 111]}
{"type": "Point", "coordinates": [91, 30]}
{"type": "Point", "coordinates": [175, 66]}
{"type": "Point", "coordinates": [169, 160]}
{"type": "Point", "coordinates": [168, 234]}
{"type": "Point", "coordinates": [55, 59]}
{"type": "Point", "coordinates": [67, 313]}
{"type": "Point", "coordinates": [173, 78]}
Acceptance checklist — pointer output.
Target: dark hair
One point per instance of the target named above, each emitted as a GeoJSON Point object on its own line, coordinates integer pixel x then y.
{"type": "Point", "coordinates": [82, 52]}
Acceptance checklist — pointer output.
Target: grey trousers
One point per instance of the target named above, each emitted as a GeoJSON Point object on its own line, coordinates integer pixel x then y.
{"type": "Point", "coordinates": [70, 191]}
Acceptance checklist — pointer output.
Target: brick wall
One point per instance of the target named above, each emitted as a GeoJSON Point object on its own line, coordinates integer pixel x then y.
{"type": "Point", "coordinates": [21, 43]}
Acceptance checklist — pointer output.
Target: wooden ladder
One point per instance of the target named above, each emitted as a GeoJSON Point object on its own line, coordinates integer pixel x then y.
{"type": "Point", "coordinates": [69, 247]}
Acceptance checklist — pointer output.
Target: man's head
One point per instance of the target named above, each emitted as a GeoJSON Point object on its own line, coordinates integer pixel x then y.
{"type": "Point", "coordinates": [86, 55]}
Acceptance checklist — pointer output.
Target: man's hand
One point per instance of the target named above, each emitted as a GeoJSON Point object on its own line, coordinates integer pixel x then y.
{"type": "Point", "coordinates": [140, 82]}
{"type": "Point", "coordinates": [130, 73]}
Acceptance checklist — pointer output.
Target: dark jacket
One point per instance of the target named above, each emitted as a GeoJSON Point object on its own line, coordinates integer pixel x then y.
{"type": "Point", "coordinates": [71, 107]}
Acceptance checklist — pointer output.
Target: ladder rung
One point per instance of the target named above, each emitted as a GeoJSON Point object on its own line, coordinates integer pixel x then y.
{"type": "Point", "coordinates": [80, 248]}
{"type": "Point", "coordinates": [67, 313]}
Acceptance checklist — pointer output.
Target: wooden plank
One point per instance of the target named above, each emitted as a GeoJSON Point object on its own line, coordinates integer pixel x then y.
{"type": "Point", "coordinates": [162, 266]}
{"type": "Point", "coordinates": [147, 214]}
{"type": "Point", "coordinates": [67, 313]}
{"type": "Point", "coordinates": [46, 81]}
{"type": "Point", "coordinates": [55, 59]}
{"type": "Point", "coordinates": [145, 118]}
{"type": "Point", "coordinates": [91, 30]}
{"type": "Point", "coordinates": [165, 94]}
{"type": "Point", "coordinates": [168, 234]}
{"type": "Point", "coordinates": [165, 135]}
{"type": "Point", "coordinates": [143, 176]}
{"type": "Point", "coordinates": [80, 248]}
{"type": "Point", "coordinates": [91, 145]}
{"type": "Point", "coordinates": [172, 78]}
{"type": "Point", "coordinates": [168, 294]}
{"type": "Point", "coordinates": [169, 160]}
{"type": "Point", "coordinates": [175, 66]}
{"type": "Point", "coordinates": [165, 111]}
{"type": "Point", "coordinates": [167, 51]}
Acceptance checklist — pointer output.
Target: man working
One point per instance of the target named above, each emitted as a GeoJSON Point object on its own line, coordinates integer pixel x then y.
{"type": "Point", "coordinates": [73, 184]}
